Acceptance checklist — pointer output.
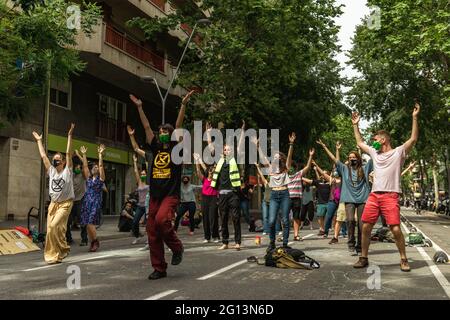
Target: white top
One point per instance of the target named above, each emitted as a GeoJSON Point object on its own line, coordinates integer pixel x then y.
{"type": "Point", "coordinates": [387, 168]}
{"type": "Point", "coordinates": [279, 180]}
{"type": "Point", "coordinates": [60, 185]}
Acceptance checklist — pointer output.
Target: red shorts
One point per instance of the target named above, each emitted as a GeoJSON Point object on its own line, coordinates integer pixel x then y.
{"type": "Point", "coordinates": [385, 204]}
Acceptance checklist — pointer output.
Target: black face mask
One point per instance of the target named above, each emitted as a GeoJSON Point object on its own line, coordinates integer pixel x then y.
{"type": "Point", "coordinates": [185, 181]}
{"type": "Point", "coordinates": [56, 163]}
{"type": "Point", "coordinates": [354, 162]}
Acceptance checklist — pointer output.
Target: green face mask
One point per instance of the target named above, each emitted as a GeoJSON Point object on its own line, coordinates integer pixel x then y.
{"type": "Point", "coordinates": [164, 138]}
{"type": "Point", "coordinates": [143, 178]}
{"type": "Point", "coordinates": [77, 171]}
{"type": "Point", "coordinates": [376, 145]}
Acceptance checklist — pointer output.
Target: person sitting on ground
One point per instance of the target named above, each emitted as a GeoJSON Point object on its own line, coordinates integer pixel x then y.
{"type": "Point", "coordinates": [126, 218]}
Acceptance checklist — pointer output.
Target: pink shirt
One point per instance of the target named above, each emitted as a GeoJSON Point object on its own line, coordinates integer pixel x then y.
{"type": "Point", "coordinates": [387, 168]}
{"type": "Point", "coordinates": [207, 190]}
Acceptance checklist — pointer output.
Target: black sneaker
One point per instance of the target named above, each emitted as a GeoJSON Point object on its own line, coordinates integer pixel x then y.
{"type": "Point", "coordinates": [271, 246]}
{"type": "Point", "coordinates": [177, 257]}
{"type": "Point", "coordinates": [83, 243]}
{"type": "Point", "coordinates": [157, 275]}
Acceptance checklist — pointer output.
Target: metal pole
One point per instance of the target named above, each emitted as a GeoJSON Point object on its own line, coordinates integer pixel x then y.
{"type": "Point", "coordinates": [164, 99]}
{"type": "Point", "coordinates": [45, 139]}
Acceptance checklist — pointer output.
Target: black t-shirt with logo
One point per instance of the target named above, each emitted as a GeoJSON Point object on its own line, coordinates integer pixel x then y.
{"type": "Point", "coordinates": [165, 176]}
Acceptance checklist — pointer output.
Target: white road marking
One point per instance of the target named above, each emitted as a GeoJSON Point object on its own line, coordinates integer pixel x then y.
{"type": "Point", "coordinates": [446, 227]}
{"type": "Point", "coordinates": [436, 272]}
{"type": "Point", "coordinates": [69, 262]}
{"type": "Point", "coordinates": [161, 295]}
{"type": "Point", "coordinates": [308, 236]}
{"type": "Point", "coordinates": [434, 269]}
{"type": "Point", "coordinates": [215, 273]}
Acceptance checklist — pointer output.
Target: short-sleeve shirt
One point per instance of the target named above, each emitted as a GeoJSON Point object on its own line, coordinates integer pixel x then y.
{"type": "Point", "coordinates": [142, 192]}
{"type": "Point", "coordinates": [387, 167]}
{"type": "Point", "coordinates": [187, 193]}
{"type": "Point", "coordinates": [60, 184]}
{"type": "Point", "coordinates": [165, 175]}
{"type": "Point", "coordinates": [207, 190]}
{"type": "Point", "coordinates": [323, 191]}
{"type": "Point", "coordinates": [296, 185]}
{"type": "Point", "coordinates": [354, 189]}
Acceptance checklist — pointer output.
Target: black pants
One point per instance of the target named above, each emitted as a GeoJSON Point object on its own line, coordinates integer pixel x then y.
{"type": "Point", "coordinates": [350, 209]}
{"type": "Point", "coordinates": [186, 206]}
{"type": "Point", "coordinates": [210, 217]}
{"type": "Point", "coordinates": [229, 205]}
{"type": "Point", "coordinates": [296, 206]}
{"type": "Point", "coordinates": [73, 216]}
{"type": "Point", "coordinates": [307, 209]}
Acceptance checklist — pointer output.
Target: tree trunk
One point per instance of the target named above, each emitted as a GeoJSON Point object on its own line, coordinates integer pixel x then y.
{"type": "Point", "coordinates": [436, 186]}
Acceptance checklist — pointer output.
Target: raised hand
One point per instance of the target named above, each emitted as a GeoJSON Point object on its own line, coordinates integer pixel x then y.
{"type": "Point", "coordinates": [320, 143]}
{"type": "Point", "coordinates": [37, 136]}
{"type": "Point", "coordinates": [338, 145]}
{"type": "Point", "coordinates": [187, 97]}
{"type": "Point", "coordinates": [83, 149]}
{"type": "Point", "coordinates": [292, 137]}
{"type": "Point", "coordinates": [208, 127]}
{"type": "Point", "coordinates": [136, 101]}
{"type": "Point", "coordinates": [135, 158]}
{"type": "Point", "coordinates": [78, 154]}
{"type": "Point", "coordinates": [243, 125]}
{"type": "Point", "coordinates": [196, 157]}
{"type": "Point", "coordinates": [101, 149]}
{"type": "Point", "coordinates": [416, 109]}
{"type": "Point", "coordinates": [72, 127]}
{"type": "Point", "coordinates": [130, 131]}
{"type": "Point", "coordinates": [355, 118]}
{"type": "Point", "coordinates": [311, 152]}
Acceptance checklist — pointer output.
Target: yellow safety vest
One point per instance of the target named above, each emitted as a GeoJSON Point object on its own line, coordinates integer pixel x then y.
{"type": "Point", "coordinates": [234, 173]}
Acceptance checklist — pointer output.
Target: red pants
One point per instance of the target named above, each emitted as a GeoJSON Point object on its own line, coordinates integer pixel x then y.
{"type": "Point", "coordinates": [160, 229]}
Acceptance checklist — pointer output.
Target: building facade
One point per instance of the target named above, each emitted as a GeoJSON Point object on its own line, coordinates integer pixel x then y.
{"type": "Point", "coordinates": [97, 101]}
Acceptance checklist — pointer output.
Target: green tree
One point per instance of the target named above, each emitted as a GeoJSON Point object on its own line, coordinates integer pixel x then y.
{"type": "Point", "coordinates": [29, 39]}
{"type": "Point", "coordinates": [271, 63]}
{"type": "Point", "coordinates": [408, 57]}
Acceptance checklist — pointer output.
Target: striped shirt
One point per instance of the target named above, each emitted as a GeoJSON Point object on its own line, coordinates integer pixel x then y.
{"type": "Point", "coordinates": [295, 186]}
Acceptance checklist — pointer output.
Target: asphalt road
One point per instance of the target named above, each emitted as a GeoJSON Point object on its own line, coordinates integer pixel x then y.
{"type": "Point", "coordinates": [120, 270]}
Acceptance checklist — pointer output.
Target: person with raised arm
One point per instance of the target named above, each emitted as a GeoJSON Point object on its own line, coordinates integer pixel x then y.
{"type": "Point", "coordinates": [92, 201]}
{"type": "Point", "coordinates": [384, 198]}
{"type": "Point", "coordinates": [61, 193]}
{"type": "Point", "coordinates": [165, 186]}
{"type": "Point", "coordinates": [354, 192]}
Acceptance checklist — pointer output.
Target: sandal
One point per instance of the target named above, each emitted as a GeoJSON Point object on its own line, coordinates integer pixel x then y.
{"type": "Point", "coordinates": [297, 238]}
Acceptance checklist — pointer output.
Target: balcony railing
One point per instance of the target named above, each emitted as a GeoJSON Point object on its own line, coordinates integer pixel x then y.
{"type": "Point", "coordinates": [111, 129]}
{"type": "Point", "coordinates": [120, 41]}
{"type": "Point", "coordinates": [161, 4]}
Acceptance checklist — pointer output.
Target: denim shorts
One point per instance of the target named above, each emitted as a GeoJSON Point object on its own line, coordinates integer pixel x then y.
{"type": "Point", "coordinates": [322, 209]}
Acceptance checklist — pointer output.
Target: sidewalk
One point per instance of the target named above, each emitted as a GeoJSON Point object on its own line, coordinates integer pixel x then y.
{"type": "Point", "coordinates": [108, 230]}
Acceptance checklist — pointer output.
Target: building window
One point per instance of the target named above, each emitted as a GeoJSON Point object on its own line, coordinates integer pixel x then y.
{"type": "Point", "coordinates": [61, 94]}
{"type": "Point", "coordinates": [112, 119]}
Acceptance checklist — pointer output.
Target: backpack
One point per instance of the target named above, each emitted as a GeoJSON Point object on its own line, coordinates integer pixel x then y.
{"type": "Point", "coordinates": [383, 234]}
{"type": "Point", "coordinates": [289, 258]}
{"type": "Point", "coordinates": [415, 238]}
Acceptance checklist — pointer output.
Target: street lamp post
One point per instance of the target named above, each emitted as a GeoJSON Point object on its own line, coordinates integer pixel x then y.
{"type": "Point", "coordinates": [152, 79]}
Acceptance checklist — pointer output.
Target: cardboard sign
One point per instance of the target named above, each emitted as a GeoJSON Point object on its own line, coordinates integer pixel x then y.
{"type": "Point", "coordinates": [14, 242]}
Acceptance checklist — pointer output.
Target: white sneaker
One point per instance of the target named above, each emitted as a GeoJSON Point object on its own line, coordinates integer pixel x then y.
{"type": "Point", "coordinates": [280, 233]}
{"type": "Point", "coordinates": [146, 248]}
{"type": "Point", "coordinates": [135, 241]}
{"type": "Point", "coordinates": [216, 240]}
{"type": "Point", "coordinates": [206, 241]}
{"type": "Point", "coordinates": [264, 234]}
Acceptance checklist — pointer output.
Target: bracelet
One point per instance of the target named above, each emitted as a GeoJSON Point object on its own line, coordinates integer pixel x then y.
{"type": "Point", "coordinates": [291, 144]}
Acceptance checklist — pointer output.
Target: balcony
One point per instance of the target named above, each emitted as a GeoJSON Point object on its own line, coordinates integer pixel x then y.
{"type": "Point", "coordinates": [121, 42]}
{"type": "Point", "coordinates": [161, 4]}
{"type": "Point", "coordinates": [111, 129]}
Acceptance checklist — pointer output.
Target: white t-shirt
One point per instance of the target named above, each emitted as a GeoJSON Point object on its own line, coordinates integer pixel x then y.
{"type": "Point", "coordinates": [60, 186]}
{"type": "Point", "coordinates": [387, 168]}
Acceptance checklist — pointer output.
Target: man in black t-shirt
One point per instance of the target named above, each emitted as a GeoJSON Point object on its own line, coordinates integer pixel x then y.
{"type": "Point", "coordinates": [165, 181]}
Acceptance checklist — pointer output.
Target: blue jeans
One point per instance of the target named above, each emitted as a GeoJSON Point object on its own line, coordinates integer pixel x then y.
{"type": "Point", "coordinates": [245, 210]}
{"type": "Point", "coordinates": [265, 218]}
{"type": "Point", "coordinates": [279, 200]}
{"type": "Point", "coordinates": [331, 211]}
{"type": "Point", "coordinates": [140, 211]}
{"type": "Point", "coordinates": [182, 208]}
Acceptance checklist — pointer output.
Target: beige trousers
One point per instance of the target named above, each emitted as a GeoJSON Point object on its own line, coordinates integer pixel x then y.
{"type": "Point", "coordinates": [56, 248]}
